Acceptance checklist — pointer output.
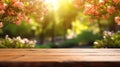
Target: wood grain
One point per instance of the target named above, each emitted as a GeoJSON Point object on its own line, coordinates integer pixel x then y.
{"type": "Point", "coordinates": [58, 56]}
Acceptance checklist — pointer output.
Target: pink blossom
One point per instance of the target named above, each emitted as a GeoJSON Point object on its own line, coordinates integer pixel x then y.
{"type": "Point", "coordinates": [17, 22]}
{"type": "Point", "coordinates": [77, 3]}
{"type": "Point", "coordinates": [104, 17]}
{"type": "Point", "coordinates": [18, 4]}
{"type": "Point", "coordinates": [91, 10]}
{"type": "Point", "coordinates": [13, 1]}
{"type": "Point", "coordinates": [3, 6]}
{"type": "Point", "coordinates": [20, 16]}
{"type": "Point", "coordinates": [1, 24]}
{"type": "Point", "coordinates": [2, 11]}
{"type": "Point", "coordinates": [111, 9]}
{"type": "Point", "coordinates": [87, 8]}
{"type": "Point", "coordinates": [12, 12]}
{"type": "Point", "coordinates": [116, 1]}
{"type": "Point", "coordinates": [117, 20]}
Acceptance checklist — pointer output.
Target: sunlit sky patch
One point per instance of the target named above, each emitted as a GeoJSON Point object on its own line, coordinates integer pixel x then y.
{"type": "Point", "coordinates": [52, 4]}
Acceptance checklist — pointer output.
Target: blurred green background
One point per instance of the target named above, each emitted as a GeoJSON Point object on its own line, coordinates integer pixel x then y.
{"type": "Point", "coordinates": [63, 26]}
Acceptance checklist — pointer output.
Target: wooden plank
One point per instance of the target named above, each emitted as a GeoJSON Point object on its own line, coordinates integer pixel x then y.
{"type": "Point", "coordinates": [59, 57]}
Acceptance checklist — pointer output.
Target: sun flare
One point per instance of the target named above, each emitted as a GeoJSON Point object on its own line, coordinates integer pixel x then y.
{"type": "Point", "coordinates": [52, 3]}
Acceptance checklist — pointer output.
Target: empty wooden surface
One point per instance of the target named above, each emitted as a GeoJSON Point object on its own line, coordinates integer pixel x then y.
{"type": "Point", "coordinates": [60, 56]}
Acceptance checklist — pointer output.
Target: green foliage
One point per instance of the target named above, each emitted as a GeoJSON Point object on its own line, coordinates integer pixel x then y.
{"type": "Point", "coordinates": [16, 43]}
{"type": "Point", "coordinates": [65, 44]}
{"type": "Point", "coordinates": [88, 36]}
{"type": "Point", "coordinates": [49, 45]}
{"type": "Point", "coordinates": [23, 30]}
{"type": "Point", "coordinates": [69, 43]}
{"type": "Point", "coordinates": [110, 40]}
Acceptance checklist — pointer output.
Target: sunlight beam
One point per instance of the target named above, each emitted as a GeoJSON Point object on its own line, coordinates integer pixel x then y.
{"type": "Point", "coordinates": [53, 3]}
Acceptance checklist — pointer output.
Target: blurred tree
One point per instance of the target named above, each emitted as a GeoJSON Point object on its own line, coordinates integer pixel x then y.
{"type": "Point", "coordinates": [67, 15]}
{"type": "Point", "coordinates": [58, 21]}
{"type": "Point", "coordinates": [18, 11]}
{"type": "Point", "coordinates": [11, 11]}
{"type": "Point", "coordinates": [104, 10]}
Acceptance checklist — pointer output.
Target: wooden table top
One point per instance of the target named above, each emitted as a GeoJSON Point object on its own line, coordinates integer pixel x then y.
{"type": "Point", "coordinates": [59, 55]}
